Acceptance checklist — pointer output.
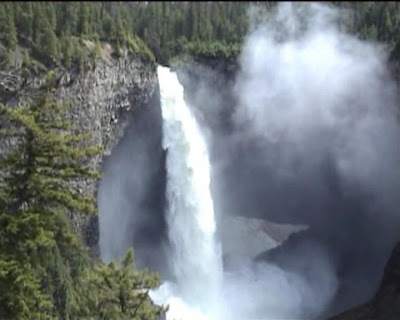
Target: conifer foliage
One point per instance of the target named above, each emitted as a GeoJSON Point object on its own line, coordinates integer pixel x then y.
{"type": "Point", "coordinates": [158, 30]}
{"type": "Point", "coordinates": [45, 272]}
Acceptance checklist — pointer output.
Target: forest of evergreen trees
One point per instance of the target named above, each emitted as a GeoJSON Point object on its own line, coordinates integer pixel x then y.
{"type": "Point", "coordinates": [53, 32]}
{"type": "Point", "coordinates": [45, 270]}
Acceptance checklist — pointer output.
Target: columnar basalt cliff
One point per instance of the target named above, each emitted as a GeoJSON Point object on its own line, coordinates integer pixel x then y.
{"type": "Point", "coordinates": [103, 101]}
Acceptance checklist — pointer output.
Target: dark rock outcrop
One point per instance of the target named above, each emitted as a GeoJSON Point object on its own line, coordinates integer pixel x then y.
{"type": "Point", "coordinates": [386, 303]}
{"type": "Point", "coordinates": [249, 236]}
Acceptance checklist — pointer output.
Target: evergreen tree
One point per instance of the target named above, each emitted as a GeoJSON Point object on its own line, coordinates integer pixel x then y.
{"type": "Point", "coordinates": [67, 50]}
{"type": "Point", "coordinates": [39, 24]}
{"type": "Point", "coordinates": [67, 19]}
{"type": "Point", "coordinates": [35, 231]}
{"type": "Point", "coordinates": [119, 30]}
{"type": "Point", "coordinates": [51, 15]}
{"type": "Point", "coordinates": [49, 44]}
{"type": "Point", "coordinates": [25, 26]}
{"type": "Point", "coordinates": [387, 25]}
{"type": "Point", "coordinates": [26, 61]}
{"type": "Point", "coordinates": [160, 25]}
{"type": "Point", "coordinates": [97, 48]}
{"type": "Point", "coordinates": [83, 19]}
{"type": "Point", "coordinates": [108, 27]}
{"type": "Point", "coordinates": [112, 292]}
{"type": "Point", "coordinates": [9, 30]}
{"type": "Point", "coordinates": [22, 297]}
{"type": "Point", "coordinates": [6, 57]}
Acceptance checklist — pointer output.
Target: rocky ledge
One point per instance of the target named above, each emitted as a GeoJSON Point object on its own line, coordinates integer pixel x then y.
{"type": "Point", "coordinates": [386, 303]}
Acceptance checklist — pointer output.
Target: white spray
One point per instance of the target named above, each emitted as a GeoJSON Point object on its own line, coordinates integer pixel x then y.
{"type": "Point", "coordinates": [196, 257]}
{"type": "Point", "coordinates": [201, 291]}
{"type": "Point", "coordinates": [307, 87]}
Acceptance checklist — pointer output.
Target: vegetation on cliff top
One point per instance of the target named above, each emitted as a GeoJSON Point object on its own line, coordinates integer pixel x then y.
{"type": "Point", "coordinates": [58, 33]}
{"type": "Point", "coordinates": [55, 32]}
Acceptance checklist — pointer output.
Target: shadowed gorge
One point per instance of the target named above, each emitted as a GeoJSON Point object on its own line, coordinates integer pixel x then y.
{"type": "Point", "coordinates": [131, 194]}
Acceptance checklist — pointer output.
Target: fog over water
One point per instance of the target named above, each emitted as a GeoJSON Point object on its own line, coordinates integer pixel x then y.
{"type": "Point", "coordinates": [310, 136]}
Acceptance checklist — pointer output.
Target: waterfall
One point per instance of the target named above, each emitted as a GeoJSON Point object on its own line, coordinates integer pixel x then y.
{"type": "Point", "coordinates": [195, 257]}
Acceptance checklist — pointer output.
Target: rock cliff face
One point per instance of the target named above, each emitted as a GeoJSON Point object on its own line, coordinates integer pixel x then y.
{"type": "Point", "coordinates": [386, 303]}
{"type": "Point", "coordinates": [103, 101]}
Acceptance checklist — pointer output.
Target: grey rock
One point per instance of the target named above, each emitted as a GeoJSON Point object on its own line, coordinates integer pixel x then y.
{"type": "Point", "coordinates": [250, 236]}
{"type": "Point", "coordinates": [102, 100]}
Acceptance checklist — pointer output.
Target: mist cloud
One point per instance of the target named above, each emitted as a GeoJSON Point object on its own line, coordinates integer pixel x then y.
{"type": "Point", "coordinates": [322, 108]}
{"type": "Point", "coordinates": [309, 135]}
{"type": "Point", "coordinates": [131, 195]}
{"type": "Point", "coordinates": [306, 134]}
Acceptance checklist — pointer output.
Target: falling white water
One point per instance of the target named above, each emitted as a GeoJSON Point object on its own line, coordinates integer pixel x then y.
{"type": "Point", "coordinates": [195, 255]}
